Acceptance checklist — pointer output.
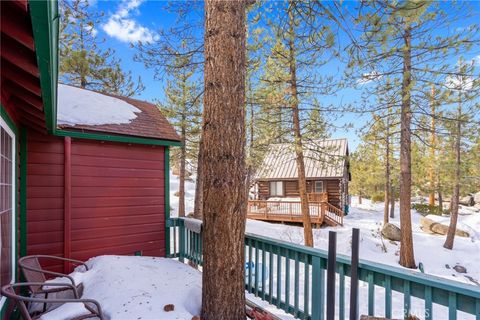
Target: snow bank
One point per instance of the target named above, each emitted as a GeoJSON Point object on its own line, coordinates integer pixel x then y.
{"type": "Point", "coordinates": [78, 106]}
{"type": "Point", "coordinates": [132, 287]}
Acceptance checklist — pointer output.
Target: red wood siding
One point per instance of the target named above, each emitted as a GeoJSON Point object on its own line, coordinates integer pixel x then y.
{"type": "Point", "coordinates": [116, 204]}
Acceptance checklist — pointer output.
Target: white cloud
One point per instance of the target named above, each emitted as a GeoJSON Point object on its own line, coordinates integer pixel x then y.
{"type": "Point", "coordinates": [92, 30]}
{"type": "Point", "coordinates": [459, 83]}
{"type": "Point", "coordinates": [369, 77]}
{"type": "Point", "coordinates": [476, 60]}
{"type": "Point", "coordinates": [124, 28]}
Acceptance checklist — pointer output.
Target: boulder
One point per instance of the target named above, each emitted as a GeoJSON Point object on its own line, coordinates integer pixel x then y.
{"type": "Point", "coordinates": [391, 232]}
{"type": "Point", "coordinates": [429, 226]}
{"type": "Point", "coordinates": [476, 198]}
{"type": "Point", "coordinates": [467, 201]}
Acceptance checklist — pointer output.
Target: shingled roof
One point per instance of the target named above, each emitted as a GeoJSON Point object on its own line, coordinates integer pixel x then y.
{"type": "Point", "coordinates": [323, 159]}
{"type": "Point", "coordinates": [128, 116]}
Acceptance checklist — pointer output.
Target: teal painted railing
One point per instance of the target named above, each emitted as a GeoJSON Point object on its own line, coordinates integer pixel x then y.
{"type": "Point", "coordinates": [293, 277]}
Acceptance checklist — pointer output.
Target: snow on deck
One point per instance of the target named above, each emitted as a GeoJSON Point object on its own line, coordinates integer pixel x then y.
{"type": "Point", "coordinates": [132, 287]}
{"type": "Point", "coordinates": [78, 106]}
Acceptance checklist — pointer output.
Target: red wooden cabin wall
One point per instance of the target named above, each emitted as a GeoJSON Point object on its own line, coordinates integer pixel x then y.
{"type": "Point", "coordinates": [105, 198]}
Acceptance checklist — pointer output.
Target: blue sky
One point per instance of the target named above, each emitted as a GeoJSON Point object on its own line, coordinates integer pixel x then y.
{"type": "Point", "coordinates": [126, 22]}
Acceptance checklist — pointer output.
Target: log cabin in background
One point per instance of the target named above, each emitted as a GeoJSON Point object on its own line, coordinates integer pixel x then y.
{"type": "Point", "coordinates": [275, 183]}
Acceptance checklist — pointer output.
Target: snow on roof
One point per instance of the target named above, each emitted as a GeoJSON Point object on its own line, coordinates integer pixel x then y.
{"type": "Point", "coordinates": [77, 106]}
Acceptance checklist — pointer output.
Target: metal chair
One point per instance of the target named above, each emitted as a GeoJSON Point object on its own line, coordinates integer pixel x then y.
{"type": "Point", "coordinates": [33, 271]}
{"type": "Point", "coordinates": [22, 301]}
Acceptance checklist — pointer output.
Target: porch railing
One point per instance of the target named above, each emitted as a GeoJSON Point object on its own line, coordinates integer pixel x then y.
{"type": "Point", "coordinates": [292, 277]}
{"type": "Point", "coordinates": [291, 211]}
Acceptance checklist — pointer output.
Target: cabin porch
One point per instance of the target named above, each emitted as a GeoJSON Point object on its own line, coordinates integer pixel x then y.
{"type": "Point", "coordinates": [291, 211]}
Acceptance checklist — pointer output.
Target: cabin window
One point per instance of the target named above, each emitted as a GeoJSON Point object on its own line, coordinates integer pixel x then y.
{"type": "Point", "coordinates": [276, 188]}
{"type": "Point", "coordinates": [319, 187]}
{"type": "Point", "coordinates": [7, 200]}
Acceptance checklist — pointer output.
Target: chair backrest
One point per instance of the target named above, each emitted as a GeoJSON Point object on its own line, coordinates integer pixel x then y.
{"type": "Point", "coordinates": [9, 292]}
{"type": "Point", "coordinates": [28, 265]}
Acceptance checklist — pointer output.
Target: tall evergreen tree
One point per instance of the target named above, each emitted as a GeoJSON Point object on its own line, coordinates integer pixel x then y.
{"type": "Point", "coordinates": [183, 108]}
{"type": "Point", "coordinates": [82, 62]}
{"type": "Point", "coordinates": [397, 42]}
{"type": "Point", "coordinates": [224, 206]}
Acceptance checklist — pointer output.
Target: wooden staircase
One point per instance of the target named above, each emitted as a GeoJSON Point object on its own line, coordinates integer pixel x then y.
{"type": "Point", "coordinates": [332, 215]}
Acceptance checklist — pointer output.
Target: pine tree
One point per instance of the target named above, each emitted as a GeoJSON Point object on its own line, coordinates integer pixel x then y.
{"type": "Point", "coordinates": [397, 42]}
{"type": "Point", "coordinates": [224, 206]}
{"type": "Point", "coordinates": [465, 90]}
{"type": "Point", "coordinates": [183, 109]}
{"type": "Point", "coordinates": [82, 62]}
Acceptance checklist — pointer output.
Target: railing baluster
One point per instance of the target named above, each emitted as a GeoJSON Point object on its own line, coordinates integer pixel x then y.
{"type": "Point", "coordinates": [452, 306]}
{"type": "Point", "coordinates": [306, 288]}
{"type": "Point", "coordinates": [477, 309]}
{"type": "Point", "coordinates": [318, 290]}
{"type": "Point", "coordinates": [256, 268]}
{"type": "Point", "coordinates": [250, 267]}
{"type": "Point", "coordinates": [341, 292]}
{"type": "Point", "coordinates": [388, 297]}
{"type": "Point", "coordinates": [428, 303]}
{"type": "Point", "coordinates": [279, 277]}
{"type": "Point", "coordinates": [270, 274]}
{"type": "Point", "coordinates": [264, 271]}
{"type": "Point", "coordinates": [182, 249]}
{"type": "Point", "coordinates": [371, 294]}
{"type": "Point", "coordinates": [287, 280]}
{"type": "Point", "coordinates": [406, 298]}
{"type": "Point", "coordinates": [296, 291]}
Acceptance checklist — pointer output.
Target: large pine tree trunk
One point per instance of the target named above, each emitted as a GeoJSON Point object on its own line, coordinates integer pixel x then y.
{"type": "Point", "coordinates": [406, 245]}
{"type": "Point", "coordinates": [198, 205]}
{"type": "Point", "coordinates": [302, 181]}
{"type": "Point", "coordinates": [224, 207]}
{"type": "Point", "coordinates": [181, 186]}
{"type": "Point", "coordinates": [456, 188]}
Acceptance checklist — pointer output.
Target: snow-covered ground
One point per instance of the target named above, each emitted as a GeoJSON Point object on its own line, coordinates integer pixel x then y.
{"type": "Point", "coordinates": [368, 217]}
{"type": "Point", "coordinates": [132, 287]}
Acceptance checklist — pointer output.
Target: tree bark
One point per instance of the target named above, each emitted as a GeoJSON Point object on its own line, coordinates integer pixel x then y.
{"type": "Point", "coordinates": [387, 174]}
{"type": "Point", "coordinates": [392, 200]}
{"type": "Point", "coordinates": [224, 206]}
{"type": "Point", "coordinates": [440, 200]}
{"type": "Point", "coordinates": [183, 156]}
{"type": "Point", "coordinates": [302, 182]}
{"type": "Point", "coordinates": [406, 245]}
{"type": "Point", "coordinates": [198, 202]}
{"type": "Point", "coordinates": [456, 189]}
{"type": "Point", "coordinates": [431, 171]}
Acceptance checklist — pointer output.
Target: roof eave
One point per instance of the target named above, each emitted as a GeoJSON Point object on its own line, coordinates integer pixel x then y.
{"type": "Point", "coordinates": [45, 24]}
{"type": "Point", "coordinates": [116, 138]}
